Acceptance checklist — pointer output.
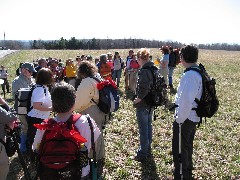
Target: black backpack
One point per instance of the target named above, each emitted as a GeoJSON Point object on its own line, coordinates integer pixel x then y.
{"type": "Point", "coordinates": [208, 103]}
{"type": "Point", "coordinates": [158, 94]}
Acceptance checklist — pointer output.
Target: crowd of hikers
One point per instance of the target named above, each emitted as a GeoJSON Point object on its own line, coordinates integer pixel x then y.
{"type": "Point", "coordinates": [62, 128]}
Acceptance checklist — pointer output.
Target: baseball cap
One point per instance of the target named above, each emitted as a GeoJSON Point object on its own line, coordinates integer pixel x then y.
{"type": "Point", "coordinates": [28, 66]}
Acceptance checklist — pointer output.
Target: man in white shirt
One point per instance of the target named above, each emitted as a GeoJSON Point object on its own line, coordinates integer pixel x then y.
{"type": "Point", "coordinates": [186, 119]}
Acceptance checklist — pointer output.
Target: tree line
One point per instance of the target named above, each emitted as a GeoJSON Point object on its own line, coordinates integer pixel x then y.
{"type": "Point", "coordinates": [94, 43]}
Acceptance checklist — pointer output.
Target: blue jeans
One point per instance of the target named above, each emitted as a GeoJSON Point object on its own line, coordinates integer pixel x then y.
{"type": "Point", "coordinates": [170, 74]}
{"type": "Point", "coordinates": [144, 119]}
{"type": "Point", "coordinates": [117, 75]}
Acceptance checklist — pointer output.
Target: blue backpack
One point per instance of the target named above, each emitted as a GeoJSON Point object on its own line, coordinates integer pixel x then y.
{"type": "Point", "coordinates": [108, 95]}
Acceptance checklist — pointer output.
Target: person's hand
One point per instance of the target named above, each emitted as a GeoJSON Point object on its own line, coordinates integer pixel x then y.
{"type": "Point", "coordinates": [136, 100]}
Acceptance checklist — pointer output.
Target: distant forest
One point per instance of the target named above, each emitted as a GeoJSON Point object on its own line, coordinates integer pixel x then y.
{"type": "Point", "coordinates": [74, 43]}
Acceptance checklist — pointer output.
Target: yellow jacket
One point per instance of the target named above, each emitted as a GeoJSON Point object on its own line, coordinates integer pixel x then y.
{"type": "Point", "coordinates": [71, 71]}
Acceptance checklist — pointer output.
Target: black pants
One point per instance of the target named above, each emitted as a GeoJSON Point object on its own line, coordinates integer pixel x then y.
{"type": "Point", "coordinates": [5, 85]}
{"type": "Point", "coordinates": [188, 130]}
{"type": "Point", "coordinates": [31, 129]}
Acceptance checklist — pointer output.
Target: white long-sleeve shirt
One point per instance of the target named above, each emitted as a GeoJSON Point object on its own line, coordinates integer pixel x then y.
{"type": "Point", "coordinates": [189, 88]}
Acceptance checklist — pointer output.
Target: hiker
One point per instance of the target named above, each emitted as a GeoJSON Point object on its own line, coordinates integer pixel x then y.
{"type": "Point", "coordinates": [64, 112]}
{"type": "Point", "coordinates": [117, 66]}
{"type": "Point", "coordinates": [71, 72]}
{"type": "Point", "coordinates": [104, 68]}
{"type": "Point", "coordinates": [127, 67]}
{"type": "Point", "coordinates": [41, 103]}
{"type": "Point", "coordinates": [89, 58]}
{"type": "Point", "coordinates": [18, 70]}
{"type": "Point", "coordinates": [189, 88]}
{"type": "Point", "coordinates": [24, 80]}
{"type": "Point", "coordinates": [143, 110]}
{"type": "Point", "coordinates": [133, 73]}
{"type": "Point", "coordinates": [56, 70]}
{"type": "Point", "coordinates": [7, 118]}
{"type": "Point", "coordinates": [42, 63]}
{"type": "Point", "coordinates": [86, 91]}
{"type": "Point", "coordinates": [110, 61]}
{"type": "Point", "coordinates": [163, 63]}
{"type": "Point", "coordinates": [171, 66]}
{"type": "Point", "coordinates": [4, 77]}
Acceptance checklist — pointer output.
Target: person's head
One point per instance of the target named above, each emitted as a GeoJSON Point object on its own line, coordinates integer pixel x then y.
{"type": "Point", "coordinates": [54, 63]}
{"type": "Point", "coordinates": [44, 76]}
{"type": "Point", "coordinates": [42, 62]}
{"type": "Point", "coordinates": [134, 57]}
{"type": "Point", "coordinates": [109, 55]}
{"type": "Point", "coordinates": [83, 57]}
{"type": "Point", "coordinates": [165, 49]}
{"type": "Point", "coordinates": [69, 62]}
{"type": "Point", "coordinates": [189, 54]}
{"type": "Point", "coordinates": [96, 60]}
{"type": "Point", "coordinates": [87, 69]}
{"type": "Point", "coordinates": [103, 58]}
{"type": "Point", "coordinates": [170, 48]}
{"type": "Point", "coordinates": [143, 56]}
{"type": "Point", "coordinates": [27, 69]}
{"type": "Point", "coordinates": [89, 58]}
{"type": "Point", "coordinates": [116, 55]}
{"type": "Point", "coordinates": [62, 93]}
{"type": "Point", "coordinates": [130, 52]}
{"type": "Point", "coordinates": [78, 59]}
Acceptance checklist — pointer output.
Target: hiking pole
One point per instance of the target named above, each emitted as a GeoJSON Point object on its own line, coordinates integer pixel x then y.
{"type": "Point", "coordinates": [20, 156]}
{"type": "Point", "coordinates": [180, 150]}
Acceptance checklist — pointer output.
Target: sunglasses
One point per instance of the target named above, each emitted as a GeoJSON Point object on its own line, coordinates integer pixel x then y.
{"type": "Point", "coordinates": [29, 71]}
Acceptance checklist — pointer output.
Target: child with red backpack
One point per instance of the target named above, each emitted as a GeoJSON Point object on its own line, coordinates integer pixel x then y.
{"type": "Point", "coordinates": [63, 143]}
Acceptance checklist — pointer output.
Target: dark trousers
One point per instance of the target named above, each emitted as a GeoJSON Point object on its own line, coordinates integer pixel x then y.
{"type": "Point", "coordinates": [188, 129]}
{"type": "Point", "coordinates": [31, 129]}
{"type": "Point", "coordinates": [5, 85]}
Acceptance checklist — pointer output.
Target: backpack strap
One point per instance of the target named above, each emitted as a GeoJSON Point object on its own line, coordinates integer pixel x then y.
{"type": "Point", "coordinates": [31, 92]}
{"type": "Point", "coordinates": [98, 80]}
{"type": "Point", "coordinates": [200, 70]}
{"type": "Point", "coordinates": [74, 118]}
{"type": "Point", "coordinates": [92, 137]}
{"type": "Point", "coordinates": [95, 78]}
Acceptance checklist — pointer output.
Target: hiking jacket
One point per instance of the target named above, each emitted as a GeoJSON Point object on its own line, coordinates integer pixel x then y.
{"type": "Point", "coordinates": [21, 82]}
{"type": "Point", "coordinates": [144, 84]}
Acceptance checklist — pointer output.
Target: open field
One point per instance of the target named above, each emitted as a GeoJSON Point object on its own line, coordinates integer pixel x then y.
{"type": "Point", "coordinates": [217, 143]}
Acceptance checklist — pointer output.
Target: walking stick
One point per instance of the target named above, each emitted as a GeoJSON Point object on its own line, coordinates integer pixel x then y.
{"type": "Point", "coordinates": [180, 150]}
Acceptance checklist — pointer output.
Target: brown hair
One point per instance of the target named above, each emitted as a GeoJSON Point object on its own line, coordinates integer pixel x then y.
{"type": "Point", "coordinates": [44, 76]}
{"type": "Point", "coordinates": [87, 69]}
{"type": "Point", "coordinates": [62, 93]}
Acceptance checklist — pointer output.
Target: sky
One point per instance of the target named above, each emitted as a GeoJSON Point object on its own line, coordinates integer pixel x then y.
{"type": "Point", "coordinates": [185, 21]}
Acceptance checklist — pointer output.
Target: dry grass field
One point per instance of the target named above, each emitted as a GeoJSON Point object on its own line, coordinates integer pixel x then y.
{"type": "Point", "coordinates": [217, 143]}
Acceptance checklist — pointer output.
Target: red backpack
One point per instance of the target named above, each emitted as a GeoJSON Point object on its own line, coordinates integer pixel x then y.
{"type": "Point", "coordinates": [62, 153]}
